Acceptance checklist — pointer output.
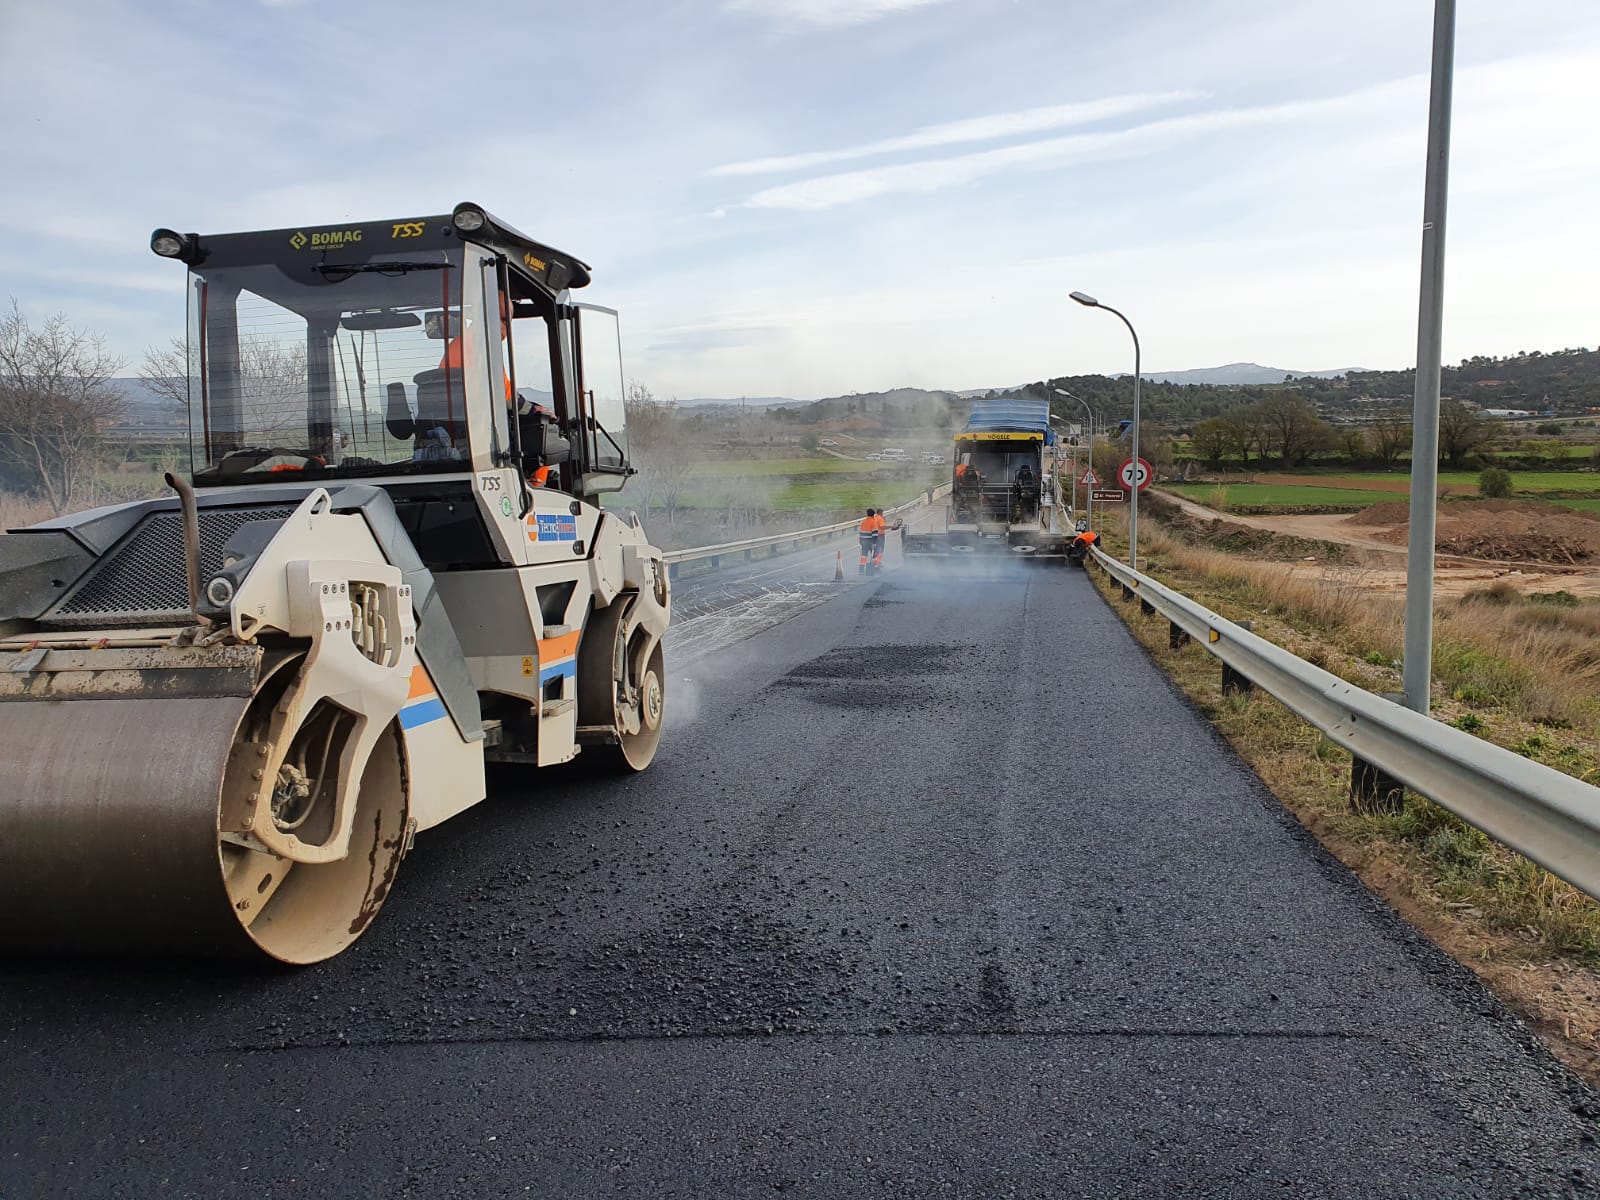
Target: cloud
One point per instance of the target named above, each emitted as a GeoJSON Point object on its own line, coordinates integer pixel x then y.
{"type": "Point", "coordinates": [971, 129]}
{"type": "Point", "coordinates": [826, 14]}
{"type": "Point", "coordinates": [938, 174]}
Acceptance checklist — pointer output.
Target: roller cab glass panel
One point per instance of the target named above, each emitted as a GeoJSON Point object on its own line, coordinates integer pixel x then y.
{"type": "Point", "coordinates": [336, 353]}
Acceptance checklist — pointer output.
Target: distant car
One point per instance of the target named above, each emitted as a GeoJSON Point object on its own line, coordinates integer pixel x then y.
{"type": "Point", "coordinates": [893, 455]}
{"type": "Point", "coordinates": [827, 442]}
{"type": "Point", "coordinates": [933, 460]}
{"type": "Point", "coordinates": [874, 457]}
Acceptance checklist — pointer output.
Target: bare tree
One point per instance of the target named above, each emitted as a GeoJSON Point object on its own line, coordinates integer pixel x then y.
{"type": "Point", "coordinates": [1293, 428]}
{"type": "Point", "coordinates": [1391, 436]}
{"type": "Point", "coordinates": [1212, 439]}
{"type": "Point", "coordinates": [660, 446]}
{"type": "Point", "coordinates": [166, 371]}
{"type": "Point", "coordinates": [56, 397]}
{"type": "Point", "coordinates": [1464, 431]}
{"type": "Point", "coordinates": [271, 384]}
{"type": "Point", "coordinates": [1241, 431]}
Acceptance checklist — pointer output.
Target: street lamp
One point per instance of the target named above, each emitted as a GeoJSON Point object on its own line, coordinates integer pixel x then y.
{"type": "Point", "coordinates": [1133, 499]}
{"type": "Point", "coordinates": [1088, 492]}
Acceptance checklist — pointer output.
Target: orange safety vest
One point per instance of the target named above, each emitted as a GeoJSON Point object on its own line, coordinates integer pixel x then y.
{"type": "Point", "coordinates": [868, 526]}
{"type": "Point", "coordinates": [880, 525]}
{"type": "Point", "coordinates": [453, 356]}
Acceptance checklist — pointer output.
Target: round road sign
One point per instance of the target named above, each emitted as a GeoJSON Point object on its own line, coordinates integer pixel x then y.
{"type": "Point", "coordinates": [1135, 473]}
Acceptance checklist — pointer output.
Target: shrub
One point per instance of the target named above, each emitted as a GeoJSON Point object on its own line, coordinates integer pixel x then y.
{"type": "Point", "coordinates": [1554, 599]}
{"type": "Point", "coordinates": [1494, 483]}
{"type": "Point", "coordinates": [1501, 591]}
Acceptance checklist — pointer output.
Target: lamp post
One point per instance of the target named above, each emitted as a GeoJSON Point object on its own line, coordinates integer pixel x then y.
{"type": "Point", "coordinates": [1088, 489]}
{"type": "Point", "coordinates": [1133, 498]}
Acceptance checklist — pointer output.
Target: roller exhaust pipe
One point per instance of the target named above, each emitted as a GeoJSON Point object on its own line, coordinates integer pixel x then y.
{"type": "Point", "coordinates": [191, 541]}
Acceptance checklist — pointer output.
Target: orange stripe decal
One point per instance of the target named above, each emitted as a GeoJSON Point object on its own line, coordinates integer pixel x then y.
{"type": "Point", "coordinates": [421, 685]}
{"type": "Point", "coordinates": [556, 648]}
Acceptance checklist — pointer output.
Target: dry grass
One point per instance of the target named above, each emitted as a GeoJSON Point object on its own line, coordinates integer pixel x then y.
{"type": "Point", "coordinates": [17, 511]}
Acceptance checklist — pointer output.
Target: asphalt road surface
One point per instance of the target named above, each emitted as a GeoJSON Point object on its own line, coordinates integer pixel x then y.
{"type": "Point", "coordinates": [937, 888]}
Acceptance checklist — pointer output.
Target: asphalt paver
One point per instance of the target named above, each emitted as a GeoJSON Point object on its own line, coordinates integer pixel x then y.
{"type": "Point", "coordinates": [937, 889]}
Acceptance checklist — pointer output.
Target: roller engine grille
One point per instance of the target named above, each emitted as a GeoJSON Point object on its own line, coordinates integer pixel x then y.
{"type": "Point", "coordinates": [143, 579]}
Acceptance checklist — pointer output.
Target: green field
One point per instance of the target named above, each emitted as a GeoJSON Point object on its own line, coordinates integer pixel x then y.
{"type": "Point", "coordinates": [1321, 490]}
{"type": "Point", "coordinates": [852, 496]}
{"type": "Point", "coordinates": [1522, 481]}
{"type": "Point", "coordinates": [764, 467]}
{"type": "Point", "coordinates": [1284, 494]}
{"type": "Point", "coordinates": [823, 484]}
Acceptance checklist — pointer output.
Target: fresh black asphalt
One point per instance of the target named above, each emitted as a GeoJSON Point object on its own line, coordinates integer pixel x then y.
{"type": "Point", "coordinates": [938, 889]}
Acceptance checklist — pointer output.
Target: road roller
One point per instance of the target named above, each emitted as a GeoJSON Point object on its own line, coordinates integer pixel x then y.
{"type": "Point", "coordinates": [392, 560]}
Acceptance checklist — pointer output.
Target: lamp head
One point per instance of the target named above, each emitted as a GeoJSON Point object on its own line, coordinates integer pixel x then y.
{"type": "Point", "coordinates": [1086, 300]}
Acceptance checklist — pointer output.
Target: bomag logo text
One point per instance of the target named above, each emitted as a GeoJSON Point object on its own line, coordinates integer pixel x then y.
{"type": "Point", "coordinates": [335, 237]}
{"type": "Point", "coordinates": [406, 229]}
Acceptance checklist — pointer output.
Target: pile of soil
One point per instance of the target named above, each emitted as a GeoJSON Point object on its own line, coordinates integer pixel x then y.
{"type": "Point", "coordinates": [1519, 530]}
{"type": "Point", "coordinates": [1390, 512]}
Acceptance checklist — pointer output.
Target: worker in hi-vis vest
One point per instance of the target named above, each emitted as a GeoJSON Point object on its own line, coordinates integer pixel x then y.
{"type": "Point", "coordinates": [867, 534]}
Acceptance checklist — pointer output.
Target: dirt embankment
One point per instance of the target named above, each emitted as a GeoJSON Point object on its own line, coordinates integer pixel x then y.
{"type": "Point", "coordinates": [1515, 530]}
{"type": "Point", "coordinates": [1533, 541]}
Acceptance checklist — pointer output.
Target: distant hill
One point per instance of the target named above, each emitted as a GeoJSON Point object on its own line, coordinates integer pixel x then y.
{"type": "Point", "coordinates": [1240, 374]}
{"type": "Point", "coordinates": [900, 408]}
{"type": "Point", "coordinates": [737, 401]}
{"type": "Point", "coordinates": [148, 413]}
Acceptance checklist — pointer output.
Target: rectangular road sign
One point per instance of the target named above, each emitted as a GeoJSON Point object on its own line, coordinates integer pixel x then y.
{"type": "Point", "coordinates": [1108, 495]}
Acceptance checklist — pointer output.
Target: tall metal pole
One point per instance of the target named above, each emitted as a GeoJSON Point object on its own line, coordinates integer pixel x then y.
{"type": "Point", "coordinates": [1417, 671]}
{"type": "Point", "coordinates": [1133, 497]}
{"type": "Point", "coordinates": [1133, 501]}
{"type": "Point", "coordinates": [1088, 488]}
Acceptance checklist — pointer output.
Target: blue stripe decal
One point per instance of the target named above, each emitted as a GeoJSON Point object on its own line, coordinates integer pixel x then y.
{"type": "Point", "coordinates": [565, 670]}
{"type": "Point", "coordinates": [421, 714]}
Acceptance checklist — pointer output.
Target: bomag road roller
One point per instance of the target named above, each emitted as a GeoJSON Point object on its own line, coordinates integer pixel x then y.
{"type": "Point", "coordinates": [1002, 498]}
{"type": "Point", "coordinates": [225, 713]}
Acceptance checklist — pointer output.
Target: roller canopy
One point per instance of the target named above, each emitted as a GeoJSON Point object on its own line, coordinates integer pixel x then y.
{"type": "Point", "coordinates": [1011, 416]}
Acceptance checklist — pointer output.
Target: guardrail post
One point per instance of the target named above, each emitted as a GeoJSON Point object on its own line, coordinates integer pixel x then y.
{"type": "Point", "coordinates": [1374, 790]}
{"type": "Point", "coordinates": [672, 570]}
{"type": "Point", "coordinates": [1177, 639]}
{"type": "Point", "coordinates": [1235, 683]}
{"type": "Point", "coordinates": [1127, 592]}
{"type": "Point", "coordinates": [716, 560]}
{"type": "Point", "coordinates": [1146, 608]}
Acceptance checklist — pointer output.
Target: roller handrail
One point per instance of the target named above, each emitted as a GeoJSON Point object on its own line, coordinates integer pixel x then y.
{"type": "Point", "coordinates": [1550, 817]}
{"type": "Point", "coordinates": [695, 553]}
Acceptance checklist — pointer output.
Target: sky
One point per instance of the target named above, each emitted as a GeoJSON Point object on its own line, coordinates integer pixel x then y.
{"type": "Point", "coordinates": [812, 197]}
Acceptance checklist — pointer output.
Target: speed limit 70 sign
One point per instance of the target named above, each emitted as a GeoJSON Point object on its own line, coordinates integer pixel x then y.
{"type": "Point", "coordinates": [1135, 473]}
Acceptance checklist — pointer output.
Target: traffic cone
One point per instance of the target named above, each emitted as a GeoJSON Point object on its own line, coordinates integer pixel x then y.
{"type": "Point", "coordinates": [838, 566]}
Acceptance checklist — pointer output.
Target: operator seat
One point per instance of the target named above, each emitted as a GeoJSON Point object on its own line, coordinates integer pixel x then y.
{"type": "Point", "coordinates": [440, 423]}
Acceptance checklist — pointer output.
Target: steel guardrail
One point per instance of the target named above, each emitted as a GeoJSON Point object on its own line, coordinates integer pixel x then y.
{"type": "Point", "coordinates": [746, 548]}
{"type": "Point", "coordinates": [1536, 810]}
